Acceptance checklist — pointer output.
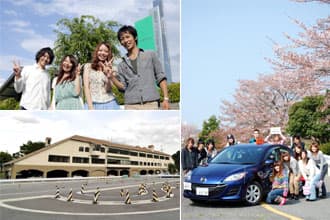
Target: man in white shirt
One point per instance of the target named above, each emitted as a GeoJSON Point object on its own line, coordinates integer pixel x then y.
{"type": "Point", "coordinates": [34, 82]}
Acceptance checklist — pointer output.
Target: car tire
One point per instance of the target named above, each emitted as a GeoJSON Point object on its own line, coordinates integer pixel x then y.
{"type": "Point", "coordinates": [253, 193]}
{"type": "Point", "coordinates": [196, 201]}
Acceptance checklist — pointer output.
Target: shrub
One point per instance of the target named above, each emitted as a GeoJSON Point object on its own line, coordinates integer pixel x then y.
{"type": "Point", "coordinates": [325, 148]}
{"type": "Point", "coordinates": [9, 104]}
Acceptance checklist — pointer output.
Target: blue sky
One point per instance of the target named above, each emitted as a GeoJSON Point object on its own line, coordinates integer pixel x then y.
{"type": "Point", "coordinates": [27, 25]}
{"type": "Point", "coordinates": [137, 128]}
{"type": "Point", "coordinates": [224, 41]}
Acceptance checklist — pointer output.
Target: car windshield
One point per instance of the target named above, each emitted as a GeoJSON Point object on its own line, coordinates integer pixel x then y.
{"type": "Point", "coordinates": [239, 155]}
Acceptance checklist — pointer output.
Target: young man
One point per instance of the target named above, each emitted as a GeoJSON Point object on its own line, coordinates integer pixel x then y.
{"type": "Point", "coordinates": [34, 82]}
{"type": "Point", "coordinates": [138, 73]}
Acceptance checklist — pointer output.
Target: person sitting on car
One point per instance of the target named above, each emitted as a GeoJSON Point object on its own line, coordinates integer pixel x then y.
{"type": "Point", "coordinates": [279, 180]}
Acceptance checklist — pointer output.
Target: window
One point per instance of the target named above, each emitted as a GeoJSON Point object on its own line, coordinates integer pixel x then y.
{"type": "Point", "coordinates": [81, 149]}
{"type": "Point", "coordinates": [162, 157]}
{"type": "Point", "coordinates": [80, 160]}
{"type": "Point", "coordinates": [124, 152]}
{"type": "Point", "coordinates": [134, 163]}
{"type": "Point", "coordinates": [98, 161]}
{"type": "Point", "coordinates": [58, 158]}
{"type": "Point", "coordinates": [102, 149]}
{"type": "Point", "coordinates": [156, 156]}
{"type": "Point", "coordinates": [113, 151]}
{"type": "Point", "coordinates": [132, 153]}
{"type": "Point", "coordinates": [167, 158]}
{"type": "Point", "coordinates": [86, 149]}
{"type": "Point", "coordinates": [142, 154]}
{"type": "Point", "coordinates": [149, 156]}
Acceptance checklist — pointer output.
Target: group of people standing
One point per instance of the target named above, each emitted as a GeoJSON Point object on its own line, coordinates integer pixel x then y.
{"type": "Point", "coordinates": [137, 75]}
{"type": "Point", "coordinates": [304, 167]}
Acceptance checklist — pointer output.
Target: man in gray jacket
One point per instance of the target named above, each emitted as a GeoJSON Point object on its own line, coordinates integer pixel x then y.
{"type": "Point", "coordinates": [138, 73]}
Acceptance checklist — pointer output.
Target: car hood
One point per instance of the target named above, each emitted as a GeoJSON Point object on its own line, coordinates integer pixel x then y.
{"type": "Point", "coordinates": [216, 173]}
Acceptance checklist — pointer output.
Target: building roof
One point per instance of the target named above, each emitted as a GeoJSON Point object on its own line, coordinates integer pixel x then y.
{"type": "Point", "coordinates": [91, 141]}
{"type": "Point", "coordinates": [7, 89]}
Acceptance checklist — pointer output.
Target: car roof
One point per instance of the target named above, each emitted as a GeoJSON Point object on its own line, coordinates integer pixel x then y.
{"type": "Point", "coordinates": [266, 146]}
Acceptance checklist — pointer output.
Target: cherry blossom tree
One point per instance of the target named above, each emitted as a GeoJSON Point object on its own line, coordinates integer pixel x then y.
{"type": "Point", "coordinates": [187, 131]}
{"type": "Point", "coordinates": [300, 69]}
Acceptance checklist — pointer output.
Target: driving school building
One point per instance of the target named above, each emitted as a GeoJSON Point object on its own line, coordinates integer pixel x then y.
{"type": "Point", "coordinates": [84, 156]}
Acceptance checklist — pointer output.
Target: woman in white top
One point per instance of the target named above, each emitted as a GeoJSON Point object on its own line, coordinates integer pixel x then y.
{"type": "Point", "coordinates": [320, 161]}
{"type": "Point", "coordinates": [310, 173]}
{"type": "Point", "coordinates": [97, 82]}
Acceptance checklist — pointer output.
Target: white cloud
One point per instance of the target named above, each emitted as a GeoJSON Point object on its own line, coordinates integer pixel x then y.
{"type": "Point", "coordinates": [18, 23]}
{"type": "Point", "coordinates": [133, 128]}
{"type": "Point", "coordinates": [34, 43]}
{"type": "Point", "coordinates": [10, 12]}
{"type": "Point", "coordinates": [125, 12]}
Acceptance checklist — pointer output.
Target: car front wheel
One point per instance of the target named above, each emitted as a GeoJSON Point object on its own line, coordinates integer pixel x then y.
{"type": "Point", "coordinates": [253, 193]}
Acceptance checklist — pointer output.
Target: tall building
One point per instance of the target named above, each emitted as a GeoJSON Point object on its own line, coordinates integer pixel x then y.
{"type": "Point", "coordinates": [152, 35]}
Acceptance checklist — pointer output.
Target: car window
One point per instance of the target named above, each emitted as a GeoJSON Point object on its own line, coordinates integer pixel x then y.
{"type": "Point", "coordinates": [244, 155]}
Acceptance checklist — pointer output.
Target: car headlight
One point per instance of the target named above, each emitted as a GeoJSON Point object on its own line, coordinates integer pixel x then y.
{"type": "Point", "coordinates": [187, 177]}
{"type": "Point", "coordinates": [236, 176]}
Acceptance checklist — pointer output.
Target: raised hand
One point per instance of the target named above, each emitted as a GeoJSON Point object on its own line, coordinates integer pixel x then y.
{"type": "Point", "coordinates": [17, 68]}
{"type": "Point", "coordinates": [78, 70]}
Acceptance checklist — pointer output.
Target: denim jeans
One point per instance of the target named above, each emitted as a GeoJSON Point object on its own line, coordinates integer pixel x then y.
{"type": "Point", "coordinates": [323, 173]}
{"type": "Point", "coordinates": [273, 194]}
{"type": "Point", "coordinates": [313, 183]}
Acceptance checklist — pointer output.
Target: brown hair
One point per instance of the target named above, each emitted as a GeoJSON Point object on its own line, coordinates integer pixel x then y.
{"type": "Point", "coordinates": [72, 77]}
{"type": "Point", "coordinates": [314, 144]}
{"type": "Point", "coordinates": [279, 173]}
{"type": "Point", "coordinates": [95, 59]}
{"type": "Point", "coordinates": [284, 154]}
{"type": "Point", "coordinates": [190, 140]}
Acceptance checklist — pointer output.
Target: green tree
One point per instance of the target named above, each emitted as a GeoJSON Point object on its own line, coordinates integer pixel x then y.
{"type": "Point", "coordinates": [79, 37]}
{"type": "Point", "coordinates": [171, 168]}
{"type": "Point", "coordinates": [176, 158]}
{"type": "Point", "coordinates": [307, 119]}
{"type": "Point", "coordinates": [4, 157]}
{"type": "Point", "coordinates": [9, 104]}
{"type": "Point", "coordinates": [212, 124]}
{"type": "Point", "coordinates": [30, 147]}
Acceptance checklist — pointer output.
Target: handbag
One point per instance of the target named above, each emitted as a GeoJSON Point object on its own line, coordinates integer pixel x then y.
{"type": "Point", "coordinates": [306, 189]}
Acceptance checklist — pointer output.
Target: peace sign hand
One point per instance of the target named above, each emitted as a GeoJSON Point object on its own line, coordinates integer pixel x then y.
{"type": "Point", "coordinates": [78, 70]}
{"type": "Point", "coordinates": [17, 68]}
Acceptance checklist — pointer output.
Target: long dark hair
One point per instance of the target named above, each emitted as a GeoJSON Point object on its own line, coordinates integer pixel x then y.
{"type": "Point", "coordinates": [72, 77]}
{"type": "Point", "coordinates": [95, 59]}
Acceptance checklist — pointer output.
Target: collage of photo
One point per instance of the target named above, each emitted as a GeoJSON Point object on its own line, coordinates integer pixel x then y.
{"type": "Point", "coordinates": [164, 109]}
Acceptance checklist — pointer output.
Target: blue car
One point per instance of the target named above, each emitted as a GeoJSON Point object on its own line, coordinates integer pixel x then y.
{"type": "Point", "coordinates": [238, 173]}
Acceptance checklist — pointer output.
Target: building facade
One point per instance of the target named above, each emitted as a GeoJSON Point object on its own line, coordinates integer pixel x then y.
{"type": "Point", "coordinates": [84, 156]}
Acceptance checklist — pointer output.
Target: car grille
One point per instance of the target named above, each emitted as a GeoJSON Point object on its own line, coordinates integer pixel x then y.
{"type": "Point", "coordinates": [214, 189]}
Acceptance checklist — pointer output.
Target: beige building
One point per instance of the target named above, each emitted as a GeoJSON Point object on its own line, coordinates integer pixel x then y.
{"type": "Point", "coordinates": [83, 156]}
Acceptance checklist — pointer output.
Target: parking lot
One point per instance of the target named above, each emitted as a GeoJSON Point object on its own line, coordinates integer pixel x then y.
{"type": "Point", "coordinates": [121, 198]}
{"type": "Point", "coordinates": [295, 210]}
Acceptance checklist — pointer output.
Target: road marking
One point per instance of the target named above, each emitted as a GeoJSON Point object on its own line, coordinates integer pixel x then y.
{"type": "Point", "coordinates": [269, 208]}
{"type": "Point", "coordinates": [86, 214]}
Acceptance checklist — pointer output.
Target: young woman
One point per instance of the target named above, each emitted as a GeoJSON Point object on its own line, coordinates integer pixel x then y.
{"type": "Point", "coordinates": [310, 173]}
{"type": "Point", "coordinates": [320, 162]}
{"type": "Point", "coordinates": [67, 89]}
{"type": "Point", "coordinates": [97, 82]}
{"type": "Point", "coordinates": [211, 151]}
{"type": "Point", "coordinates": [279, 190]}
{"type": "Point", "coordinates": [291, 166]}
{"type": "Point", "coordinates": [188, 157]}
{"type": "Point", "coordinates": [297, 152]}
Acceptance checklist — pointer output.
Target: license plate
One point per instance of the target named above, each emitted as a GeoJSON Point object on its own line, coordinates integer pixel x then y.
{"type": "Point", "coordinates": [186, 186]}
{"type": "Point", "coordinates": [202, 191]}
